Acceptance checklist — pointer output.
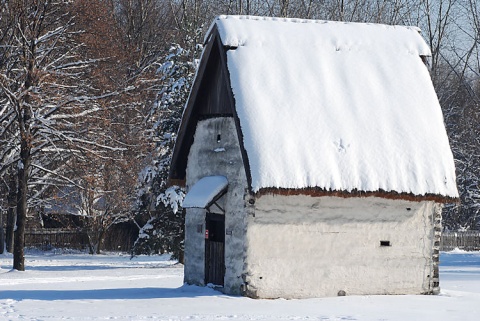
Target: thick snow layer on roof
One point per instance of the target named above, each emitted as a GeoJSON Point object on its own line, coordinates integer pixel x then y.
{"type": "Point", "coordinates": [340, 106]}
{"type": "Point", "coordinates": [204, 191]}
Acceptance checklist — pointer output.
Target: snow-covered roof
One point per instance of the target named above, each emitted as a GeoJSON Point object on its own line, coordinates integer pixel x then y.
{"type": "Point", "coordinates": [204, 191]}
{"type": "Point", "coordinates": [338, 106]}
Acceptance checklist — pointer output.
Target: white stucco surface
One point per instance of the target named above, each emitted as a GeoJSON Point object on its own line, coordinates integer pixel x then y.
{"type": "Point", "coordinates": [339, 106]}
{"type": "Point", "coordinates": [335, 244]}
{"type": "Point", "coordinates": [205, 160]}
{"type": "Point", "coordinates": [194, 265]}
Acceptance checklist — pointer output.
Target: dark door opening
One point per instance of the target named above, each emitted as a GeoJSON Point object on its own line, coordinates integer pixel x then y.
{"type": "Point", "coordinates": [215, 249]}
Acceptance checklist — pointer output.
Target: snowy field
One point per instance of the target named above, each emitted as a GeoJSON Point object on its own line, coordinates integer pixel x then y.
{"type": "Point", "coordinates": [62, 286]}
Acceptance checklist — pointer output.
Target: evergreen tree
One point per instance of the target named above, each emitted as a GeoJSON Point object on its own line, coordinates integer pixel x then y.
{"type": "Point", "coordinates": [164, 230]}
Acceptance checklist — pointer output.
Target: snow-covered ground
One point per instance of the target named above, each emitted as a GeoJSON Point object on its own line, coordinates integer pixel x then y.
{"type": "Point", "coordinates": [62, 286]}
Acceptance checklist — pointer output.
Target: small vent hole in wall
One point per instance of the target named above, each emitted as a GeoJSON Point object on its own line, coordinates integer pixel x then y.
{"type": "Point", "coordinates": [409, 208]}
{"type": "Point", "coordinates": [219, 138]}
{"type": "Point", "coordinates": [384, 243]}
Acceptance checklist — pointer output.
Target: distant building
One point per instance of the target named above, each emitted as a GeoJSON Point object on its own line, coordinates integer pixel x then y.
{"type": "Point", "coordinates": [315, 159]}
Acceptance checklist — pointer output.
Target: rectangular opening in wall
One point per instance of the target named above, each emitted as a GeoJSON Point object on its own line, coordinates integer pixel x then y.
{"type": "Point", "coordinates": [384, 243]}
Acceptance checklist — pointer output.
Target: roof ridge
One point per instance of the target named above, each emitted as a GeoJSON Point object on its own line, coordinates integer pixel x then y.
{"type": "Point", "coordinates": [303, 20]}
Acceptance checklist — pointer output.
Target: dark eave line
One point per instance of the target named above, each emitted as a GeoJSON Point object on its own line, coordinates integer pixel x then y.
{"type": "Point", "coordinates": [316, 192]}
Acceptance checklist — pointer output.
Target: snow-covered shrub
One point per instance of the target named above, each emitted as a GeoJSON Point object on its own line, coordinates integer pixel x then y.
{"type": "Point", "coordinates": [164, 232]}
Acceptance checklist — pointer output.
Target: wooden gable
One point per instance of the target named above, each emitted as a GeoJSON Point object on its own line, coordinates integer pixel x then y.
{"type": "Point", "coordinates": [211, 96]}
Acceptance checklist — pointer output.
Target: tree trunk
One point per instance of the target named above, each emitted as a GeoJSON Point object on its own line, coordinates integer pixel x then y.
{"type": "Point", "coordinates": [91, 249]}
{"type": "Point", "coordinates": [19, 242]}
{"type": "Point", "coordinates": [91, 245]}
{"type": "Point", "coordinates": [11, 222]}
{"type": "Point", "coordinates": [2, 236]}
{"type": "Point", "coordinates": [181, 257]}
{"type": "Point", "coordinates": [101, 238]}
{"type": "Point", "coordinates": [94, 240]}
{"type": "Point", "coordinates": [11, 213]}
{"type": "Point", "coordinates": [25, 115]}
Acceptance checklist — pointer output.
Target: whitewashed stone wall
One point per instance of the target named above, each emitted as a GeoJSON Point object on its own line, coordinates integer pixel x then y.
{"type": "Point", "coordinates": [216, 151]}
{"type": "Point", "coordinates": [194, 264]}
{"type": "Point", "coordinates": [301, 246]}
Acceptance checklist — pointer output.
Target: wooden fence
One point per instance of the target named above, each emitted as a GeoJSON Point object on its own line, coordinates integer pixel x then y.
{"type": "Point", "coordinates": [116, 239]}
{"type": "Point", "coordinates": [465, 240]}
{"type": "Point", "coordinates": [47, 239]}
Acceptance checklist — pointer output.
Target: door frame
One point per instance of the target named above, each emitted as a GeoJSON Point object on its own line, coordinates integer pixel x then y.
{"type": "Point", "coordinates": [214, 249]}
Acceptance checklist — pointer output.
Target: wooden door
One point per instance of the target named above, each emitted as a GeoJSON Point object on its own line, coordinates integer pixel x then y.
{"type": "Point", "coordinates": [215, 249]}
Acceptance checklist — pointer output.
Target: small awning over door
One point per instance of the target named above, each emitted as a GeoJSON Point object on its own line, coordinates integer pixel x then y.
{"type": "Point", "coordinates": [205, 192]}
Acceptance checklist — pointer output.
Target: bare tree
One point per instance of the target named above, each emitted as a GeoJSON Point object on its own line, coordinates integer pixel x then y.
{"type": "Point", "coordinates": [460, 98]}
{"type": "Point", "coordinates": [49, 102]}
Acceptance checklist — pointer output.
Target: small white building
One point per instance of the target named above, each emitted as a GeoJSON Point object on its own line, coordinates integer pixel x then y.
{"type": "Point", "coordinates": [316, 160]}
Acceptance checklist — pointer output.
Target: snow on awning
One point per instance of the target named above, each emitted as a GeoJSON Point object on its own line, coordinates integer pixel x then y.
{"type": "Point", "coordinates": [204, 192]}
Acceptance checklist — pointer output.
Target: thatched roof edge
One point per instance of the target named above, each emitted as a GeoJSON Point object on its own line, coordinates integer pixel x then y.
{"type": "Point", "coordinates": [317, 192]}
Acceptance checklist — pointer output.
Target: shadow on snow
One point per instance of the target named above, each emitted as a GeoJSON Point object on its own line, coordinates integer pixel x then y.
{"type": "Point", "coordinates": [185, 291]}
{"type": "Point", "coordinates": [467, 259]}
